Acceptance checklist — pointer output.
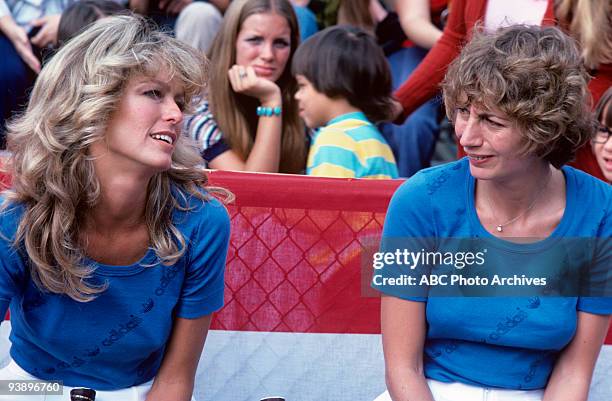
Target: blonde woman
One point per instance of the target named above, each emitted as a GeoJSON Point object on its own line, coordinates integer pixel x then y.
{"type": "Point", "coordinates": [249, 119]}
{"type": "Point", "coordinates": [113, 252]}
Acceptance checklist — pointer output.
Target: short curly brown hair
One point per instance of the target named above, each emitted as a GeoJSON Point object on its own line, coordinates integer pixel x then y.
{"type": "Point", "coordinates": [535, 76]}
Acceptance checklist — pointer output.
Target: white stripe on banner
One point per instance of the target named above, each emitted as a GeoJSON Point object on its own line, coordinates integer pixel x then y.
{"type": "Point", "coordinates": [246, 366]}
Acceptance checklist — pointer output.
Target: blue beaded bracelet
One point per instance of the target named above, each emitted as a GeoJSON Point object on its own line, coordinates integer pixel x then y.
{"type": "Point", "coordinates": [263, 111]}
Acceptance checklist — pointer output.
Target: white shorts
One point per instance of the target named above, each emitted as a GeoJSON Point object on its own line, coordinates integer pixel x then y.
{"type": "Point", "coordinates": [14, 372]}
{"type": "Point", "coordinates": [463, 392]}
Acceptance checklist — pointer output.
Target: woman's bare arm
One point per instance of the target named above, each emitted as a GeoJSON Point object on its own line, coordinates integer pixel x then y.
{"type": "Point", "coordinates": [176, 376]}
{"type": "Point", "coordinates": [571, 376]}
{"type": "Point", "coordinates": [415, 18]}
{"type": "Point", "coordinates": [404, 329]}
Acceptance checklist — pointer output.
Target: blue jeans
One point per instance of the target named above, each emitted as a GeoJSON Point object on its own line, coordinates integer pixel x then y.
{"type": "Point", "coordinates": [414, 141]}
{"type": "Point", "coordinates": [15, 80]}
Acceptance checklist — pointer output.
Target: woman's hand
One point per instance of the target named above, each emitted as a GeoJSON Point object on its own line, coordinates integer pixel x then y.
{"type": "Point", "coordinates": [244, 80]}
{"type": "Point", "coordinates": [47, 35]}
{"type": "Point", "coordinates": [19, 38]}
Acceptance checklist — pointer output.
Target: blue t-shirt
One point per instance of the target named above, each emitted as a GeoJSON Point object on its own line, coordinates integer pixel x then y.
{"type": "Point", "coordinates": [509, 343]}
{"type": "Point", "coordinates": [118, 339]}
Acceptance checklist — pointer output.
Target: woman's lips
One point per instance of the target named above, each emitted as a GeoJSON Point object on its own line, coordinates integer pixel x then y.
{"type": "Point", "coordinates": [478, 160]}
{"type": "Point", "coordinates": [263, 71]}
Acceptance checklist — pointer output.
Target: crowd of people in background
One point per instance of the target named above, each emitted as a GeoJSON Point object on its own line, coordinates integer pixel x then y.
{"type": "Point", "coordinates": [419, 39]}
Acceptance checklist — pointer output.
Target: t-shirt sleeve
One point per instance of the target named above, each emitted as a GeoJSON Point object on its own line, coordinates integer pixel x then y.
{"type": "Point", "coordinates": [601, 305]}
{"type": "Point", "coordinates": [332, 154]}
{"type": "Point", "coordinates": [203, 289]}
{"type": "Point", "coordinates": [595, 305]}
{"type": "Point", "coordinates": [410, 212]}
{"type": "Point", "coordinates": [408, 225]}
{"type": "Point", "coordinates": [11, 264]}
{"type": "Point", "coordinates": [203, 129]}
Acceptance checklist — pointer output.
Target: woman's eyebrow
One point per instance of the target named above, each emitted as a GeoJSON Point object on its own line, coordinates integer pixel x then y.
{"type": "Point", "coordinates": [489, 115]}
{"type": "Point", "coordinates": [146, 81]}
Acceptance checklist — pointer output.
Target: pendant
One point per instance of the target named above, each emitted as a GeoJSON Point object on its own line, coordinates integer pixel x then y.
{"type": "Point", "coordinates": [500, 228]}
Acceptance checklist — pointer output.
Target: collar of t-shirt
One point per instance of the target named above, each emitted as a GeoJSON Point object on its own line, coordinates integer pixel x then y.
{"type": "Point", "coordinates": [357, 115]}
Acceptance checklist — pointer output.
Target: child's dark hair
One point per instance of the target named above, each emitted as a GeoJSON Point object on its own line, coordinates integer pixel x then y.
{"type": "Point", "coordinates": [78, 16]}
{"type": "Point", "coordinates": [346, 62]}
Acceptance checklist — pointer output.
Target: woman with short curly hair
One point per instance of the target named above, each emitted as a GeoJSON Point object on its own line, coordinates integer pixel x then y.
{"type": "Point", "coordinates": [112, 251]}
{"type": "Point", "coordinates": [519, 102]}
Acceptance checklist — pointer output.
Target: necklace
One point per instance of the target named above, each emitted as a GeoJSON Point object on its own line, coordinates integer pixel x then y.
{"type": "Point", "coordinates": [500, 227]}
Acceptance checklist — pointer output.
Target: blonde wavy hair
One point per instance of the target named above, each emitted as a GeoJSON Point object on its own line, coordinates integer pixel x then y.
{"type": "Point", "coordinates": [590, 22]}
{"type": "Point", "coordinates": [236, 113]}
{"type": "Point", "coordinates": [69, 109]}
{"type": "Point", "coordinates": [535, 76]}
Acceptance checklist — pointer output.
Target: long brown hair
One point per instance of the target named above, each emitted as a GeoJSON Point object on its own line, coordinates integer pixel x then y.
{"type": "Point", "coordinates": [589, 22]}
{"type": "Point", "coordinates": [235, 113]}
{"type": "Point", "coordinates": [356, 13]}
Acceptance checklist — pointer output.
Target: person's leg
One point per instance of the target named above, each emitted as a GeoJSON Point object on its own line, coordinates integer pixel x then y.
{"type": "Point", "coordinates": [15, 80]}
{"type": "Point", "coordinates": [413, 142]}
{"type": "Point", "coordinates": [198, 24]}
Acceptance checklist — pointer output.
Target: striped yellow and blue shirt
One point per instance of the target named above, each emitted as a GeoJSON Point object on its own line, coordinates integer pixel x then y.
{"type": "Point", "coordinates": [350, 146]}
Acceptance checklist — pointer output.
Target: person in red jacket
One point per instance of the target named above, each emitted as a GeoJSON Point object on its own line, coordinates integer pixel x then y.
{"type": "Point", "coordinates": [464, 16]}
{"type": "Point", "coordinates": [580, 18]}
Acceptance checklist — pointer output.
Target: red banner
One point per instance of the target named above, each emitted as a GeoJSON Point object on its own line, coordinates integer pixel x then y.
{"type": "Point", "coordinates": [294, 263]}
{"type": "Point", "coordinates": [295, 254]}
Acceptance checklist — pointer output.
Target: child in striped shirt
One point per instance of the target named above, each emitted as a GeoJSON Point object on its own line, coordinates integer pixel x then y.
{"type": "Point", "coordinates": [344, 83]}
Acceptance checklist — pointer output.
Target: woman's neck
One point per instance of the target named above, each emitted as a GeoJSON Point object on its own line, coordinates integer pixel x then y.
{"type": "Point", "coordinates": [512, 195]}
{"type": "Point", "coordinates": [529, 205]}
{"type": "Point", "coordinates": [121, 204]}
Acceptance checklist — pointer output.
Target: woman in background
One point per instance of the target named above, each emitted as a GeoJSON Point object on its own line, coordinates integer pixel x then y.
{"type": "Point", "coordinates": [249, 119]}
